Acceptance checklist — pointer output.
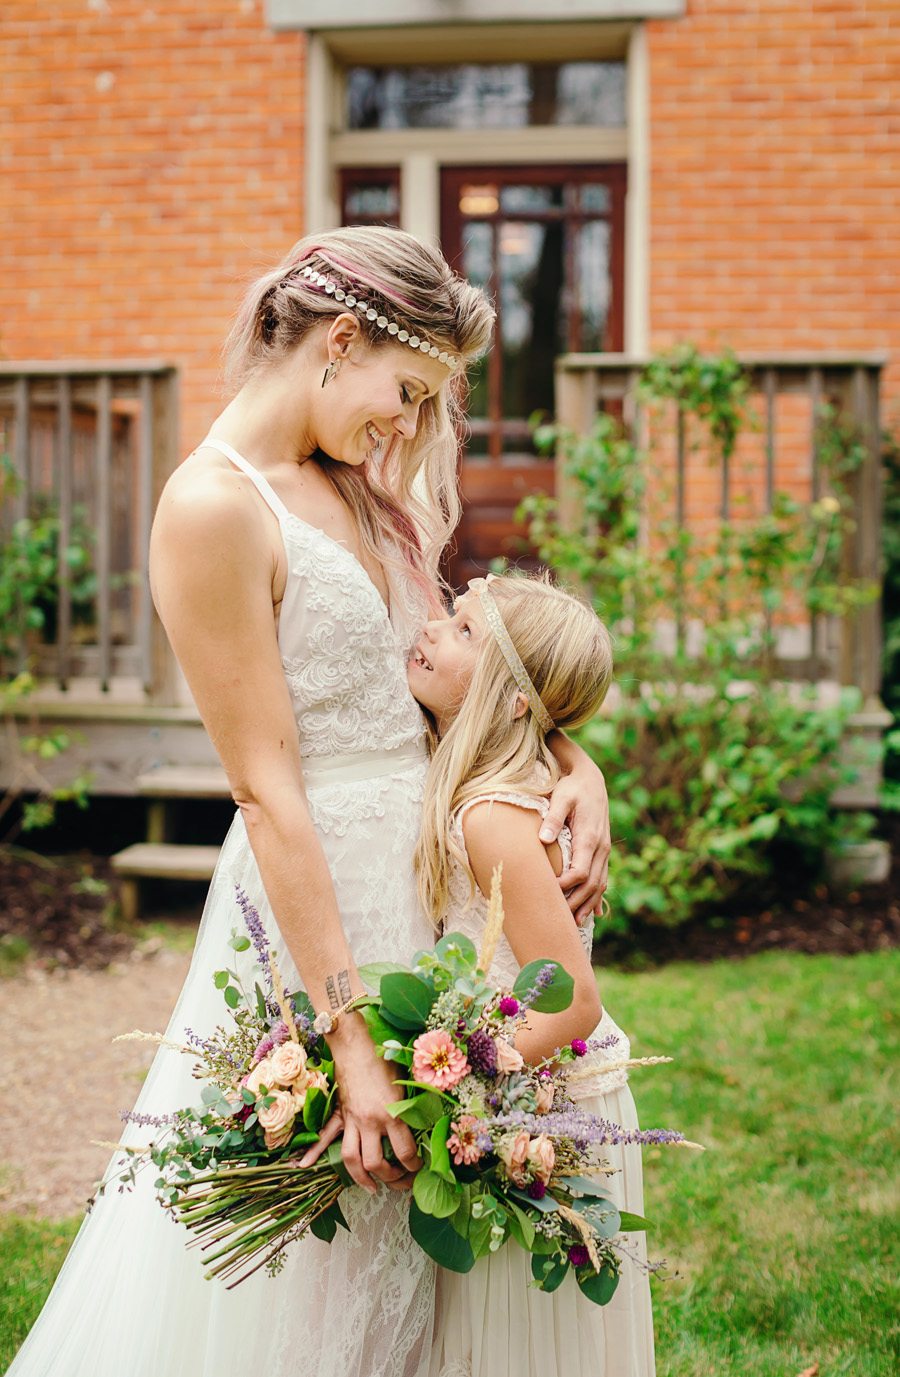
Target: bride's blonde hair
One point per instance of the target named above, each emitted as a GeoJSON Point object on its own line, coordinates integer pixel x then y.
{"type": "Point", "coordinates": [406, 504]}
{"type": "Point", "coordinates": [567, 653]}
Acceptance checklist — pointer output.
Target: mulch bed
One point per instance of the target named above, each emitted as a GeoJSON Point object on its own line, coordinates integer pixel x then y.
{"type": "Point", "coordinates": [64, 909]}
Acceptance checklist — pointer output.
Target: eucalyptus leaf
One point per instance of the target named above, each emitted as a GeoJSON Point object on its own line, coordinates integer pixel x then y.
{"type": "Point", "coordinates": [584, 1185]}
{"type": "Point", "coordinates": [221, 979]}
{"type": "Point", "coordinates": [632, 1223]}
{"type": "Point", "coordinates": [458, 950]}
{"type": "Point", "coordinates": [232, 997]}
{"type": "Point", "coordinates": [558, 993]}
{"type": "Point", "coordinates": [372, 974]}
{"type": "Point", "coordinates": [602, 1215]}
{"type": "Point", "coordinates": [546, 1204]}
{"type": "Point", "coordinates": [405, 996]}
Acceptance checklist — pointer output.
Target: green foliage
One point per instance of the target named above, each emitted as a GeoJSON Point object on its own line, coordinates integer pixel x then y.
{"type": "Point", "coordinates": [32, 569]}
{"type": "Point", "coordinates": [715, 767]}
{"type": "Point", "coordinates": [890, 608]}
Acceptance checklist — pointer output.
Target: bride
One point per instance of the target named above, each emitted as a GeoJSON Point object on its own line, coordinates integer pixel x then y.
{"type": "Point", "coordinates": [293, 562]}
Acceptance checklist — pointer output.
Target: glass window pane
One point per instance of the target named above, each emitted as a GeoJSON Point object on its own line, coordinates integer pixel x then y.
{"type": "Point", "coordinates": [591, 93]}
{"type": "Point", "coordinates": [478, 200]}
{"type": "Point", "coordinates": [372, 203]}
{"type": "Point", "coordinates": [594, 197]}
{"type": "Point", "coordinates": [518, 200]}
{"type": "Point", "coordinates": [486, 96]}
{"type": "Point", "coordinates": [592, 276]}
{"type": "Point", "coordinates": [477, 265]}
{"type": "Point", "coordinates": [530, 292]}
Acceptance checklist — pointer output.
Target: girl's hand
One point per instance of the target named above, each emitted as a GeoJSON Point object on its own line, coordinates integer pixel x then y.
{"type": "Point", "coordinates": [580, 798]}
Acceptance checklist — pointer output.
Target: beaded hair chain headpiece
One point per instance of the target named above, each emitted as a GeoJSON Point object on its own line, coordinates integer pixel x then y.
{"type": "Point", "coordinates": [498, 627]}
{"type": "Point", "coordinates": [349, 298]}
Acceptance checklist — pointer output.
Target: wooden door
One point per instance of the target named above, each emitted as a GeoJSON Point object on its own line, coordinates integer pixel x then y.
{"type": "Point", "coordinates": [547, 243]}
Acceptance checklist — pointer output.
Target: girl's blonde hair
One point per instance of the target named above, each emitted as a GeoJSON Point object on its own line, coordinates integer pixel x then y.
{"type": "Point", "coordinates": [567, 653]}
{"type": "Point", "coordinates": [406, 504]}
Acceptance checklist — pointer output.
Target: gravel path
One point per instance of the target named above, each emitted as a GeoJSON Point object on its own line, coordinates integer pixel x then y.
{"type": "Point", "coordinates": [63, 1080]}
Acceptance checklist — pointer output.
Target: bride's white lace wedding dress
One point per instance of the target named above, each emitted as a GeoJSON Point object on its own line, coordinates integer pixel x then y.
{"type": "Point", "coordinates": [490, 1323]}
{"type": "Point", "coordinates": [131, 1300]}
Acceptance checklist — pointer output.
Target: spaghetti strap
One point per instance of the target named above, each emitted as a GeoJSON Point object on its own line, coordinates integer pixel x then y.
{"type": "Point", "coordinates": [262, 485]}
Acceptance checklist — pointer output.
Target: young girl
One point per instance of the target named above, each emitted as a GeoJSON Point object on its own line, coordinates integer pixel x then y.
{"type": "Point", "coordinates": [518, 657]}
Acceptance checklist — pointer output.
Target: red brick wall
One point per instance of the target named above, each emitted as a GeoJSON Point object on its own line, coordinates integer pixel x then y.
{"type": "Point", "coordinates": [775, 184]}
{"type": "Point", "coordinates": [151, 157]}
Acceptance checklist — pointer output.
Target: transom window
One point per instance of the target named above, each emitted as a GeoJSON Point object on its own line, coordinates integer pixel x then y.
{"type": "Point", "coordinates": [470, 95]}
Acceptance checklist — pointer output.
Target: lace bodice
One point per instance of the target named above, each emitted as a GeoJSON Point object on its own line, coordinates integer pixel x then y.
{"type": "Point", "coordinates": [344, 656]}
{"type": "Point", "coordinates": [469, 917]}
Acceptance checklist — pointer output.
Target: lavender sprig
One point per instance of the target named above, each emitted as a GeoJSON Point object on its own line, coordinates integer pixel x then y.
{"type": "Point", "coordinates": [131, 1116]}
{"type": "Point", "coordinates": [544, 978]}
{"type": "Point", "coordinates": [585, 1128]}
{"type": "Point", "coordinates": [254, 925]}
{"type": "Point", "coordinates": [205, 1045]}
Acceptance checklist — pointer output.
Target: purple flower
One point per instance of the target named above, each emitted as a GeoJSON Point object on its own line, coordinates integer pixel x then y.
{"type": "Point", "coordinates": [254, 925]}
{"type": "Point", "coordinates": [537, 1190]}
{"type": "Point", "coordinates": [579, 1047]}
{"type": "Point", "coordinates": [481, 1050]}
{"type": "Point", "coordinates": [579, 1255]}
{"type": "Point", "coordinates": [508, 1006]}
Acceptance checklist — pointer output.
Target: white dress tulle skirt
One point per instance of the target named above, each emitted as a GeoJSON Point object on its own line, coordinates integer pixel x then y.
{"type": "Point", "coordinates": [489, 1322]}
{"type": "Point", "coordinates": [132, 1300]}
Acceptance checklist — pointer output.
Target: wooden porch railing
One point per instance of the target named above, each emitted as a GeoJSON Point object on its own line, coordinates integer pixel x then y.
{"type": "Point", "coordinates": [848, 651]}
{"type": "Point", "coordinates": [92, 444]}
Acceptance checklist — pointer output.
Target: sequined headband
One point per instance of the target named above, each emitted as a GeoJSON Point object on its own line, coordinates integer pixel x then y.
{"type": "Point", "coordinates": [498, 627]}
{"type": "Point", "coordinates": [317, 279]}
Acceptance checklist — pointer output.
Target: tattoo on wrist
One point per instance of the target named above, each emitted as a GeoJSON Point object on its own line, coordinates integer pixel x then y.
{"type": "Point", "coordinates": [338, 989]}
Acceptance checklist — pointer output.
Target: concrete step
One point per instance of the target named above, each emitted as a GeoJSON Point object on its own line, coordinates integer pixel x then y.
{"type": "Point", "coordinates": [184, 781]}
{"type": "Point", "coordinates": [166, 861]}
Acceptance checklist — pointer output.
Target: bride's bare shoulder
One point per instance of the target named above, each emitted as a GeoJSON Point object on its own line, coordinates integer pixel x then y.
{"type": "Point", "coordinates": [206, 498]}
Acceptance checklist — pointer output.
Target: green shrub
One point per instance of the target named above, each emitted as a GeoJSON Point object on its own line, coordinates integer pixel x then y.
{"type": "Point", "coordinates": [715, 767]}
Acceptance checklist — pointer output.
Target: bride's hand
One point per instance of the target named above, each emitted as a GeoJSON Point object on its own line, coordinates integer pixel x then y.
{"type": "Point", "coordinates": [581, 798]}
{"type": "Point", "coordinates": [366, 1087]}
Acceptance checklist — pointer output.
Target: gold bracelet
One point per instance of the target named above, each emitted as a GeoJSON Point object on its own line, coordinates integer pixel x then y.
{"type": "Point", "coordinates": [325, 1023]}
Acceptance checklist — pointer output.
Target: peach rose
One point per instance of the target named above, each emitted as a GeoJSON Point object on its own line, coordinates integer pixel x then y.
{"type": "Point", "coordinates": [312, 1080]}
{"type": "Point", "coordinates": [543, 1097]}
{"type": "Point", "coordinates": [279, 1138]}
{"type": "Point", "coordinates": [508, 1059]}
{"type": "Point", "coordinates": [542, 1157]}
{"type": "Point", "coordinates": [262, 1074]}
{"type": "Point", "coordinates": [288, 1063]}
{"type": "Point", "coordinates": [513, 1154]}
{"type": "Point", "coordinates": [278, 1119]}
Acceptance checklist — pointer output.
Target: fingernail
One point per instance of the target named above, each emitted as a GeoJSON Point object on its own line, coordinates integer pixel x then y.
{"type": "Point", "coordinates": [545, 834]}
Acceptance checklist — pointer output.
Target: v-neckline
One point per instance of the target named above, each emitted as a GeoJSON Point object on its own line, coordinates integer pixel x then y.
{"type": "Point", "coordinates": [339, 545]}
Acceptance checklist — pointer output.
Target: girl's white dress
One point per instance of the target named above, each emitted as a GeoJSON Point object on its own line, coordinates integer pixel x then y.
{"type": "Point", "coordinates": [131, 1300]}
{"type": "Point", "coordinates": [489, 1322]}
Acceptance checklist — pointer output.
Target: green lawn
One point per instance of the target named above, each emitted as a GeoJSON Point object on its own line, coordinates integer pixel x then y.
{"type": "Point", "coordinates": [785, 1232]}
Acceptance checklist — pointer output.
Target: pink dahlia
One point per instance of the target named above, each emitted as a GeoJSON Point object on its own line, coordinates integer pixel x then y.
{"type": "Point", "coordinates": [438, 1061]}
{"type": "Point", "coordinates": [463, 1141]}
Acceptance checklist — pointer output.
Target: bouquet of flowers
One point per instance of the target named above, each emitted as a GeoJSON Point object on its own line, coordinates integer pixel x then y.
{"type": "Point", "coordinates": [507, 1153]}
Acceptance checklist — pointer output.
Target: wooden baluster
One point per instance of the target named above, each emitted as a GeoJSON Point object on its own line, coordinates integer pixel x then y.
{"type": "Point", "coordinates": [103, 485]}
{"type": "Point", "coordinates": [64, 537]}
